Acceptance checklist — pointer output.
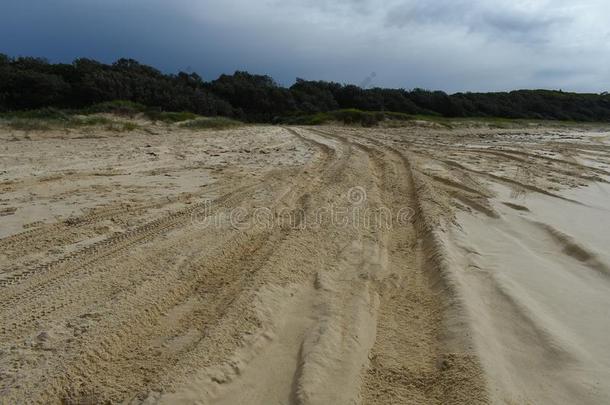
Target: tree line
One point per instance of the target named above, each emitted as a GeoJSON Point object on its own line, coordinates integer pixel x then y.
{"type": "Point", "coordinates": [31, 83]}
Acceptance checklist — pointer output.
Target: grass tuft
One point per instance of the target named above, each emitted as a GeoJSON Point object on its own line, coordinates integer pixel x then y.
{"type": "Point", "coordinates": [117, 107]}
{"type": "Point", "coordinates": [22, 124]}
{"type": "Point", "coordinates": [48, 118]}
{"type": "Point", "coordinates": [122, 126]}
{"type": "Point", "coordinates": [170, 117]}
{"type": "Point", "coordinates": [348, 117]}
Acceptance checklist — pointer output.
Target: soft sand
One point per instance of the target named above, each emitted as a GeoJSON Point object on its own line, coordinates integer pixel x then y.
{"type": "Point", "coordinates": [305, 265]}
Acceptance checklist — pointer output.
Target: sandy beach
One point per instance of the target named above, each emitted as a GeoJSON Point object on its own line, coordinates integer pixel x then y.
{"type": "Point", "coordinates": [305, 265]}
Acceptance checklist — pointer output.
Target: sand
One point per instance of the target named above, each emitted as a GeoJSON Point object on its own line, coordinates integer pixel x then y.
{"type": "Point", "coordinates": [269, 265]}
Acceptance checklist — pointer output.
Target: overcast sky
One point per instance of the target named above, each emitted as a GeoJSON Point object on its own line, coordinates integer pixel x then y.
{"type": "Point", "coordinates": [451, 45]}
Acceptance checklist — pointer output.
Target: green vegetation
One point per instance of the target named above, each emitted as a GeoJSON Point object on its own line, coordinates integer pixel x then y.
{"type": "Point", "coordinates": [393, 119]}
{"type": "Point", "coordinates": [112, 116]}
{"type": "Point", "coordinates": [348, 117]}
{"type": "Point", "coordinates": [353, 116]}
{"type": "Point", "coordinates": [28, 125]}
{"type": "Point", "coordinates": [170, 117]}
{"type": "Point", "coordinates": [52, 118]}
{"type": "Point", "coordinates": [121, 126]}
{"type": "Point", "coordinates": [33, 120]}
{"type": "Point", "coordinates": [499, 122]}
{"type": "Point", "coordinates": [117, 107]}
{"type": "Point", "coordinates": [131, 109]}
{"type": "Point", "coordinates": [28, 83]}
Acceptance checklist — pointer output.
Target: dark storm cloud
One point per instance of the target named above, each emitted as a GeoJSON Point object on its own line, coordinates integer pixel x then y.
{"type": "Point", "coordinates": [451, 45]}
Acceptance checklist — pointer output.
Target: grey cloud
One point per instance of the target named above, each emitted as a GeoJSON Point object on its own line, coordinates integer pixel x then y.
{"type": "Point", "coordinates": [475, 17]}
{"type": "Point", "coordinates": [451, 45]}
{"type": "Point", "coordinates": [432, 12]}
{"type": "Point", "coordinates": [528, 28]}
{"type": "Point", "coordinates": [357, 6]}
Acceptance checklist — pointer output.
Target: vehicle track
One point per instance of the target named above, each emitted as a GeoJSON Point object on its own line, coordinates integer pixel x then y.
{"type": "Point", "coordinates": [118, 243]}
{"type": "Point", "coordinates": [67, 231]}
{"type": "Point", "coordinates": [239, 253]}
{"type": "Point", "coordinates": [339, 279]}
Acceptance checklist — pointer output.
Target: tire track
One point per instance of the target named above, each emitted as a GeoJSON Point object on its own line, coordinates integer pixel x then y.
{"type": "Point", "coordinates": [242, 254]}
{"type": "Point", "coordinates": [51, 279]}
{"type": "Point", "coordinates": [410, 361]}
{"type": "Point", "coordinates": [118, 243]}
{"type": "Point", "coordinates": [50, 234]}
{"type": "Point", "coordinates": [322, 189]}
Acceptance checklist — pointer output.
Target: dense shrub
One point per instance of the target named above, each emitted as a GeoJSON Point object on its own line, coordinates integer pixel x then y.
{"type": "Point", "coordinates": [117, 107]}
{"type": "Point", "coordinates": [28, 83]}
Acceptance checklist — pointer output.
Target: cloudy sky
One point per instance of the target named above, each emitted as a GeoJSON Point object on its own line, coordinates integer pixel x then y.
{"type": "Point", "coordinates": [451, 45]}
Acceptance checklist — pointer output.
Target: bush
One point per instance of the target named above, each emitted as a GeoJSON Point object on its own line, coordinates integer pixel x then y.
{"type": "Point", "coordinates": [48, 113]}
{"type": "Point", "coordinates": [117, 107]}
{"type": "Point", "coordinates": [28, 125]}
{"type": "Point", "coordinates": [29, 83]}
{"type": "Point", "coordinates": [347, 117]}
{"type": "Point", "coordinates": [51, 118]}
{"type": "Point", "coordinates": [35, 120]}
{"type": "Point", "coordinates": [170, 117]}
